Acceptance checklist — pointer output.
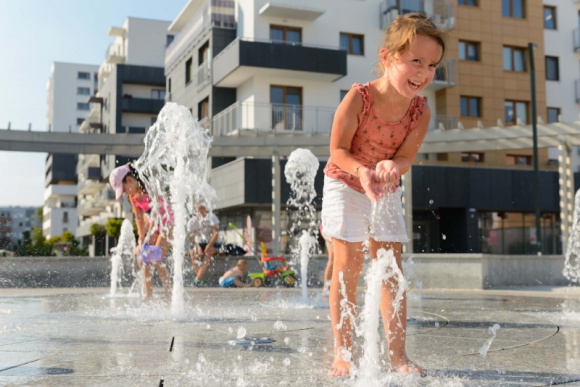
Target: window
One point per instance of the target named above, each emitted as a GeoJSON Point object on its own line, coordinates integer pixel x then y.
{"type": "Point", "coordinates": [65, 217]}
{"type": "Point", "coordinates": [203, 53]}
{"type": "Point", "coordinates": [83, 75]}
{"type": "Point", "coordinates": [169, 85]}
{"type": "Point", "coordinates": [470, 106]}
{"type": "Point", "coordinates": [80, 121]}
{"type": "Point", "coordinates": [152, 120]}
{"type": "Point", "coordinates": [552, 68]}
{"type": "Point", "coordinates": [352, 43]}
{"type": "Point", "coordinates": [471, 3]}
{"type": "Point", "coordinates": [550, 18]}
{"type": "Point", "coordinates": [285, 34]}
{"type": "Point", "coordinates": [83, 106]}
{"type": "Point", "coordinates": [468, 50]}
{"type": "Point", "coordinates": [169, 40]}
{"type": "Point", "coordinates": [514, 59]}
{"type": "Point", "coordinates": [83, 90]}
{"type": "Point", "coordinates": [286, 107]}
{"type": "Point", "coordinates": [188, 71]}
{"type": "Point", "coordinates": [472, 157]}
{"type": "Point", "coordinates": [512, 8]}
{"type": "Point", "coordinates": [518, 160]}
{"type": "Point", "coordinates": [514, 110]}
{"type": "Point", "coordinates": [157, 94]}
{"type": "Point", "coordinates": [203, 108]}
{"type": "Point", "coordinates": [553, 114]}
{"type": "Point", "coordinates": [343, 94]}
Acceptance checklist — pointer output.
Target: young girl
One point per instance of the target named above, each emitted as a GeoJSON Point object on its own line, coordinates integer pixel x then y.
{"type": "Point", "coordinates": [377, 131]}
{"type": "Point", "coordinates": [125, 179]}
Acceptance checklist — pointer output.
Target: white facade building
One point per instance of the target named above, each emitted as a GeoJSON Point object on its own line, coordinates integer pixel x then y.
{"type": "Point", "coordinates": [562, 56]}
{"type": "Point", "coordinates": [69, 86]}
{"type": "Point", "coordinates": [14, 221]}
{"type": "Point", "coordinates": [131, 92]}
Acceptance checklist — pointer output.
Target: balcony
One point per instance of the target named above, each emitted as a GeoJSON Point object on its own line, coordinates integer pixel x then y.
{"type": "Point", "coordinates": [193, 23]}
{"type": "Point", "coordinates": [444, 122]}
{"type": "Point", "coordinates": [115, 53]}
{"type": "Point", "coordinates": [203, 75]}
{"type": "Point", "coordinates": [94, 205]}
{"type": "Point", "coordinates": [142, 105]}
{"type": "Point", "coordinates": [445, 75]}
{"type": "Point", "coordinates": [272, 118]}
{"type": "Point", "coordinates": [244, 59]}
{"type": "Point", "coordinates": [442, 12]}
{"type": "Point", "coordinates": [90, 186]}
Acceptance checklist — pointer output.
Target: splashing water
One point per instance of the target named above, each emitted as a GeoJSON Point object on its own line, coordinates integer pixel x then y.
{"type": "Point", "coordinates": [307, 245]}
{"type": "Point", "coordinates": [300, 172]}
{"type": "Point", "coordinates": [125, 249]}
{"type": "Point", "coordinates": [485, 347]}
{"type": "Point", "coordinates": [174, 168]}
{"type": "Point", "coordinates": [572, 262]}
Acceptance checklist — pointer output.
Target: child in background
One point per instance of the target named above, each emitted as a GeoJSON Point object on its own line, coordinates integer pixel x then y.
{"type": "Point", "coordinates": [203, 232]}
{"type": "Point", "coordinates": [151, 252]}
{"type": "Point", "coordinates": [234, 278]}
{"type": "Point", "coordinates": [377, 131]}
{"type": "Point", "coordinates": [329, 263]}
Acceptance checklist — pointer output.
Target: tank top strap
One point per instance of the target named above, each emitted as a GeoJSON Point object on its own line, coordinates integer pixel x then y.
{"type": "Point", "coordinates": [364, 90]}
{"type": "Point", "coordinates": [416, 111]}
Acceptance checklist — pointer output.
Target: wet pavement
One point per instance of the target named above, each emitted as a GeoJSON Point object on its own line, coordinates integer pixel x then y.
{"type": "Point", "coordinates": [85, 337]}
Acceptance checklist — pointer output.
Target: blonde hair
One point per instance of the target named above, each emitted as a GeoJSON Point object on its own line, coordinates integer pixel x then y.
{"type": "Point", "coordinates": [401, 33]}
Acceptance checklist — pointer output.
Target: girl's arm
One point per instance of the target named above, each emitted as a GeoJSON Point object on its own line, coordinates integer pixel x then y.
{"type": "Point", "coordinates": [140, 221]}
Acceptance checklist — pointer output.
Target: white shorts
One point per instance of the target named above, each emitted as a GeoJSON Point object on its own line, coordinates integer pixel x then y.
{"type": "Point", "coordinates": [351, 216]}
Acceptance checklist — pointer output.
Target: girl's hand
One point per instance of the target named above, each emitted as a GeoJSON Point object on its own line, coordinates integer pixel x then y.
{"type": "Point", "coordinates": [368, 179]}
{"type": "Point", "coordinates": [387, 172]}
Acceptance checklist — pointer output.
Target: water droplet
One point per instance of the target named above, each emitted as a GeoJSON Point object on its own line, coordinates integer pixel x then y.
{"type": "Point", "coordinates": [443, 236]}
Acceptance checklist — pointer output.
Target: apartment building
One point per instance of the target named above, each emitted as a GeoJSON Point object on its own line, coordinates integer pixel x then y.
{"type": "Point", "coordinates": [69, 86]}
{"type": "Point", "coordinates": [14, 221]}
{"type": "Point", "coordinates": [130, 94]}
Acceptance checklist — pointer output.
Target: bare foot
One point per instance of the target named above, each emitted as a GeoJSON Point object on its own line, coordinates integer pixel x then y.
{"type": "Point", "coordinates": [340, 368]}
{"type": "Point", "coordinates": [406, 367]}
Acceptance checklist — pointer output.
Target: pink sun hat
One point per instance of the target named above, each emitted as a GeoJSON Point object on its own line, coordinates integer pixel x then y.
{"type": "Point", "coordinates": [116, 180]}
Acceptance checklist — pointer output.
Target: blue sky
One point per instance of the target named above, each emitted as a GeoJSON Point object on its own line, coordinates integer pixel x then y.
{"type": "Point", "coordinates": [33, 34]}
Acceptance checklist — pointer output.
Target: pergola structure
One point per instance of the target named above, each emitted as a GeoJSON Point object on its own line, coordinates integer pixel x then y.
{"type": "Point", "coordinates": [559, 135]}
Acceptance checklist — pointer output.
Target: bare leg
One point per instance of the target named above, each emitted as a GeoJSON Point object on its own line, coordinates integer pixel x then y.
{"type": "Point", "coordinates": [395, 319]}
{"type": "Point", "coordinates": [147, 271]}
{"type": "Point", "coordinates": [165, 278]}
{"type": "Point", "coordinates": [348, 262]}
{"type": "Point", "coordinates": [204, 267]}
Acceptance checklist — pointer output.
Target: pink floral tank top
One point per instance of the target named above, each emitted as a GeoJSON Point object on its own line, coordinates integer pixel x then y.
{"type": "Point", "coordinates": [145, 205]}
{"type": "Point", "coordinates": [374, 139]}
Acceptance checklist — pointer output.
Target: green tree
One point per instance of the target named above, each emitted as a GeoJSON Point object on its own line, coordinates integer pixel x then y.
{"type": "Point", "coordinates": [40, 214]}
{"type": "Point", "coordinates": [72, 249]}
{"type": "Point", "coordinates": [114, 228]}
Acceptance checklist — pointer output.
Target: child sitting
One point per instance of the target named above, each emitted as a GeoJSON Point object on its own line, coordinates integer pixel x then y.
{"type": "Point", "coordinates": [234, 278]}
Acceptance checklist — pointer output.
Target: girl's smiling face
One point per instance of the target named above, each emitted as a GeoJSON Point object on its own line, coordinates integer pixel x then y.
{"type": "Point", "coordinates": [411, 71]}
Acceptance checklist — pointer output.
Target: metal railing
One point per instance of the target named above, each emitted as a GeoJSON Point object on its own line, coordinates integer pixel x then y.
{"type": "Point", "coordinates": [446, 72]}
{"type": "Point", "coordinates": [445, 122]}
{"type": "Point", "coordinates": [442, 12]}
{"type": "Point", "coordinates": [272, 118]}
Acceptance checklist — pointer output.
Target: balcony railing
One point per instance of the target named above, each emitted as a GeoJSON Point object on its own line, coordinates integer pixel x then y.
{"type": "Point", "coordinates": [442, 12]}
{"type": "Point", "coordinates": [272, 118]}
{"type": "Point", "coordinates": [203, 74]}
{"type": "Point", "coordinates": [445, 122]}
{"type": "Point", "coordinates": [445, 75]}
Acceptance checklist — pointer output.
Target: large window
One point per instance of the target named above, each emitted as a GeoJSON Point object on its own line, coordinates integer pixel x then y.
{"type": "Point", "coordinates": [169, 39]}
{"type": "Point", "coordinates": [552, 68]}
{"type": "Point", "coordinates": [83, 106]}
{"type": "Point", "coordinates": [550, 18]}
{"type": "Point", "coordinates": [203, 109]}
{"type": "Point", "coordinates": [285, 34]}
{"type": "Point", "coordinates": [203, 53]}
{"type": "Point", "coordinates": [473, 157]}
{"type": "Point", "coordinates": [468, 50]}
{"type": "Point", "coordinates": [157, 94]}
{"type": "Point", "coordinates": [513, 8]}
{"type": "Point", "coordinates": [286, 107]}
{"type": "Point", "coordinates": [471, 3]}
{"type": "Point", "coordinates": [514, 59]}
{"type": "Point", "coordinates": [470, 106]}
{"type": "Point", "coordinates": [352, 43]}
{"type": "Point", "coordinates": [514, 110]}
{"type": "Point", "coordinates": [518, 160]}
{"type": "Point", "coordinates": [553, 114]}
